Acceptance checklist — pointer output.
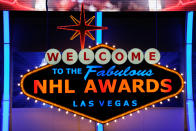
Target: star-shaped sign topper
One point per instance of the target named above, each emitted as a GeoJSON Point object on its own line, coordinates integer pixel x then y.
{"type": "Point", "coordinates": [82, 27]}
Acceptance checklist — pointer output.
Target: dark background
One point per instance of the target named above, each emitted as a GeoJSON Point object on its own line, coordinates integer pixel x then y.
{"type": "Point", "coordinates": [163, 30]}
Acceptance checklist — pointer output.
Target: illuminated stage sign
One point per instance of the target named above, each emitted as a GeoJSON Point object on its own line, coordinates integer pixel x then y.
{"type": "Point", "coordinates": [102, 83]}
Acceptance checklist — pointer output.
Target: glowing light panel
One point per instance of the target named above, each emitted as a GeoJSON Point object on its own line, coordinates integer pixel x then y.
{"type": "Point", "coordinates": [98, 23]}
{"type": "Point", "coordinates": [189, 102]}
{"type": "Point", "coordinates": [6, 89]}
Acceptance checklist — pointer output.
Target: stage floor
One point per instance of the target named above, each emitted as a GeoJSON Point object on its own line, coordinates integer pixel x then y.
{"type": "Point", "coordinates": [46, 119]}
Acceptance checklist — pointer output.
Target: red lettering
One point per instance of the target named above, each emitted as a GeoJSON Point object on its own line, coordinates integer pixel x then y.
{"type": "Point", "coordinates": [107, 85]}
{"type": "Point", "coordinates": [52, 56]}
{"type": "Point", "coordinates": [119, 53]}
{"type": "Point", "coordinates": [168, 87]}
{"type": "Point", "coordinates": [152, 54]}
{"type": "Point", "coordinates": [69, 54]}
{"type": "Point", "coordinates": [135, 56]}
{"type": "Point", "coordinates": [100, 56]}
{"type": "Point", "coordinates": [85, 56]}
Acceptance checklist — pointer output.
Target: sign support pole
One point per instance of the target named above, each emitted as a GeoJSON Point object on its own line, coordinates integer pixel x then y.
{"type": "Point", "coordinates": [99, 126]}
{"type": "Point", "coordinates": [189, 87]}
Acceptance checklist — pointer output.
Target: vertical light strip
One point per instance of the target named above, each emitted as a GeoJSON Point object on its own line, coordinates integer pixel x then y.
{"type": "Point", "coordinates": [99, 127]}
{"type": "Point", "coordinates": [5, 115]}
{"type": "Point", "coordinates": [189, 71]}
{"type": "Point", "coordinates": [189, 27]}
{"type": "Point", "coordinates": [6, 89]}
{"type": "Point", "coordinates": [189, 101]}
{"type": "Point", "coordinates": [98, 23]}
{"type": "Point", "coordinates": [99, 41]}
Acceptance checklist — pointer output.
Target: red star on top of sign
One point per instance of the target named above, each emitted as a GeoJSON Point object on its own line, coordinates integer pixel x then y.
{"type": "Point", "coordinates": [82, 27]}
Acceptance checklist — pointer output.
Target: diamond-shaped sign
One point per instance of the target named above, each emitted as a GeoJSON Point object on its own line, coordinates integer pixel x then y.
{"type": "Point", "coordinates": [102, 98]}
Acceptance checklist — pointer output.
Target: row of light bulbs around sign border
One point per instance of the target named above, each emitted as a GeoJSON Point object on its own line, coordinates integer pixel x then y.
{"type": "Point", "coordinates": [106, 43]}
{"type": "Point", "coordinates": [90, 121]}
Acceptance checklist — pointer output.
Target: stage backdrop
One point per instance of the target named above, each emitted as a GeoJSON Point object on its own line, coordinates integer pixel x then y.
{"type": "Point", "coordinates": [31, 37]}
